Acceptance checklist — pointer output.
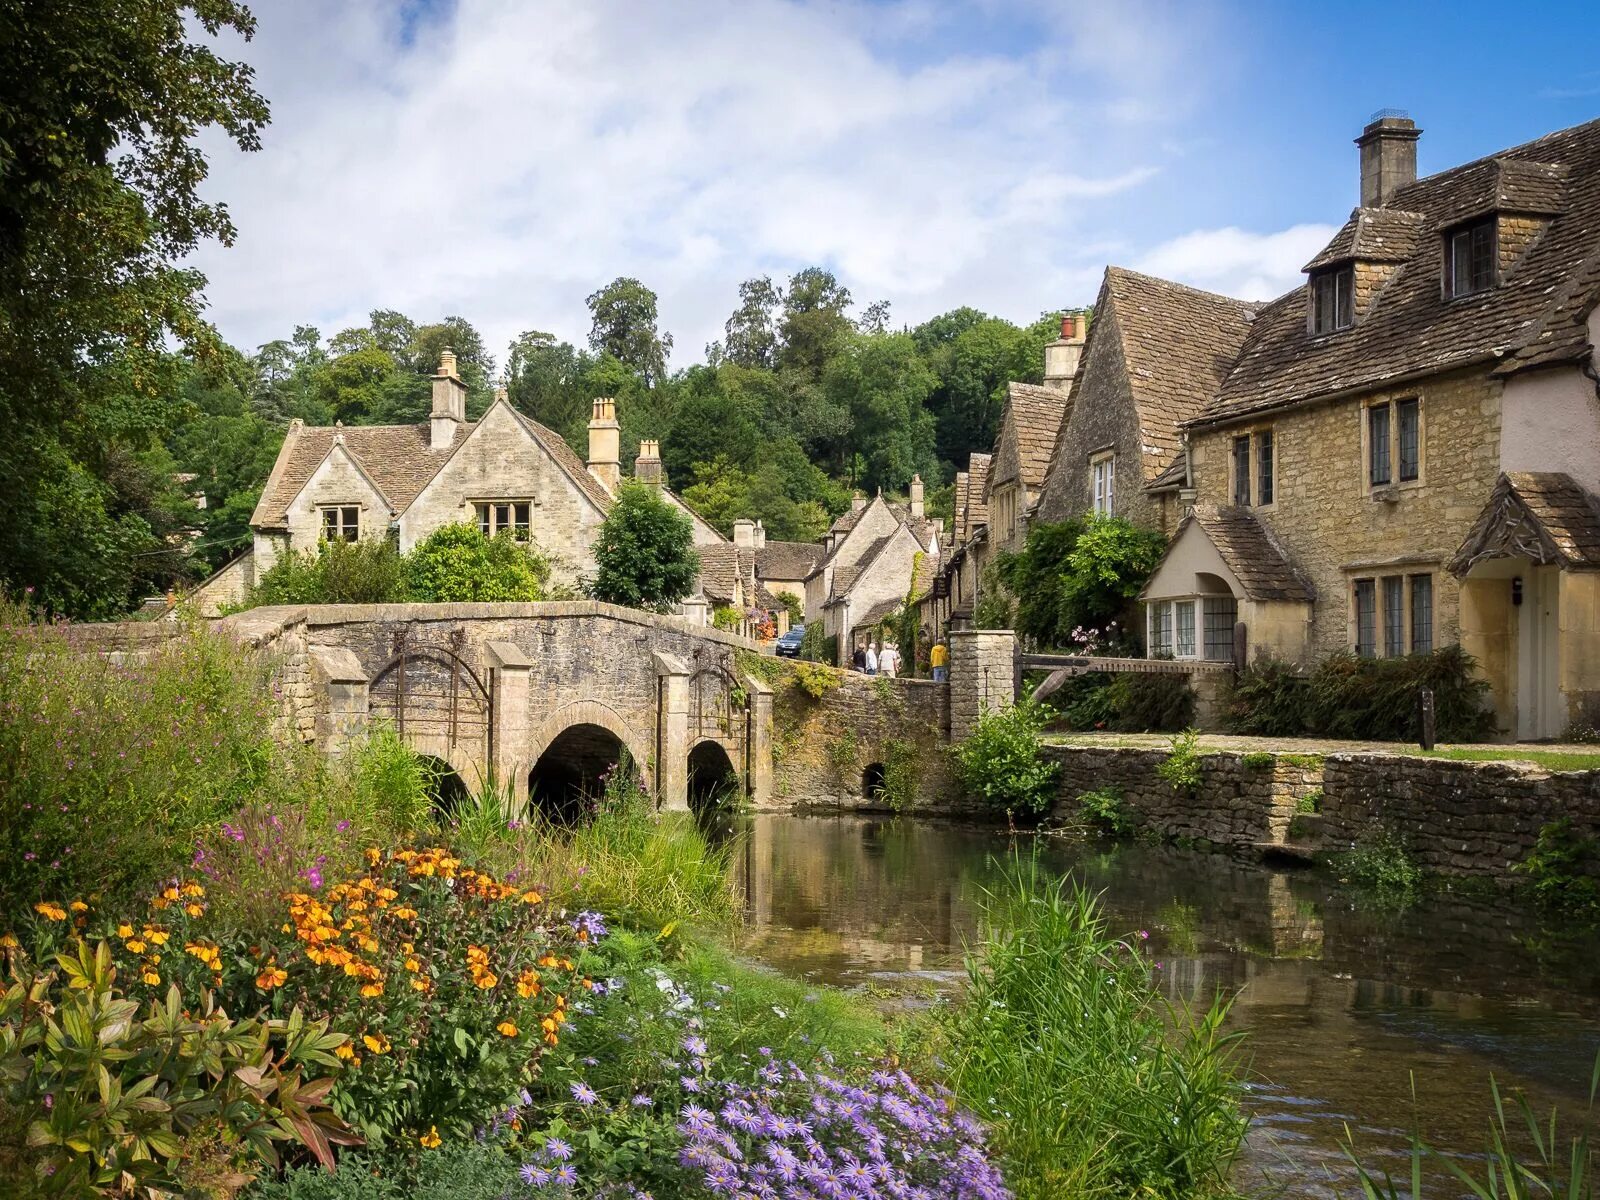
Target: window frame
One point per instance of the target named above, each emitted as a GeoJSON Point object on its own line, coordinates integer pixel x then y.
{"type": "Point", "coordinates": [1406, 628]}
{"type": "Point", "coordinates": [1241, 470]}
{"type": "Point", "coordinates": [1483, 276]}
{"type": "Point", "coordinates": [1256, 486]}
{"type": "Point", "coordinates": [1333, 300]}
{"type": "Point", "coordinates": [345, 523]}
{"type": "Point", "coordinates": [1366, 639]}
{"type": "Point", "coordinates": [1103, 470]}
{"type": "Point", "coordinates": [487, 516]}
{"type": "Point", "coordinates": [1392, 412]}
{"type": "Point", "coordinates": [1164, 628]}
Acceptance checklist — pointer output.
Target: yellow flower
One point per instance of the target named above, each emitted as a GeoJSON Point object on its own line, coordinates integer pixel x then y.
{"type": "Point", "coordinates": [271, 976]}
{"type": "Point", "coordinates": [135, 946]}
{"type": "Point", "coordinates": [488, 980]}
{"type": "Point", "coordinates": [78, 906]}
{"type": "Point", "coordinates": [53, 912]}
{"type": "Point", "coordinates": [124, 931]}
{"type": "Point", "coordinates": [528, 985]}
{"type": "Point", "coordinates": [532, 898]}
{"type": "Point", "coordinates": [194, 910]}
{"type": "Point", "coordinates": [158, 937]}
{"type": "Point", "coordinates": [193, 889]}
{"type": "Point", "coordinates": [506, 1029]}
{"type": "Point", "coordinates": [431, 1139]}
{"type": "Point", "coordinates": [419, 985]}
{"type": "Point", "coordinates": [378, 1044]}
{"type": "Point", "coordinates": [344, 1050]}
{"type": "Point", "coordinates": [372, 989]}
{"type": "Point", "coordinates": [8, 942]}
{"type": "Point", "coordinates": [151, 978]}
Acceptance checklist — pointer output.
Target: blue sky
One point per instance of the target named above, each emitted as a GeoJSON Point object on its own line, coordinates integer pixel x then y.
{"type": "Point", "coordinates": [502, 160]}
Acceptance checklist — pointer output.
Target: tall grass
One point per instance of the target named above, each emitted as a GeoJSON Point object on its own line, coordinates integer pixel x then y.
{"type": "Point", "coordinates": [1095, 1084]}
{"type": "Point", "coordinates": [1525, 1158]}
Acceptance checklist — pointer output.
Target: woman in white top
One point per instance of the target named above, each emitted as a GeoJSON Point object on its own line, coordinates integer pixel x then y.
{"type": "Point", "coordinates": [889, 661]}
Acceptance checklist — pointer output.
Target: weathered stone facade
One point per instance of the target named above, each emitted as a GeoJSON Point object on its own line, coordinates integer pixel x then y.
{"type": "Point", "coordinates": [982, 676]}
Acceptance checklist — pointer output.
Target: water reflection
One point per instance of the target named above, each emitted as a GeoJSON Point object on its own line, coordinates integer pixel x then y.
{"type": "Point", "coordinates": [1344, 1001]}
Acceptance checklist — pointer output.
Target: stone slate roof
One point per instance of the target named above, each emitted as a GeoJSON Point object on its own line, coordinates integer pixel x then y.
{"type": "Point", "coordinates": [876, 613]}
{"type": "Point", "coordinates": [844, 578]}
{"type": "Point", "coordinates": [846, 521]}
{"type": "Point", "coordinates": [1028, 432]}
{"type": "Point", "coordinates": [1178, 343]}
{"type": "Point", "coordinates": [976, 509]}
{"type": "Point", "coordinates": [1531, 319]}
{"type": "Point", "coordinates": [397, 459]}
{"type": "Point", "coordinates": [1171, 477]}
{"type": "Point", "coordinates": [721, 570]}
{"type": "Point", "coordinates": [1544, 516]}
{"type": "Point", "coordinates": [787, 560]}
{"type": "Point", "coordinates": [1248, 549]}
{"type": "Point", "coordinates": [567, 459]}
{"type": "Point", "coordinates": [1379, 235]}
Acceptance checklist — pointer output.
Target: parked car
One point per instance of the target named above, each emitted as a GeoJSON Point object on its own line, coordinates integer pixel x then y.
{"type": "Point", "coordinates": [789, 644]}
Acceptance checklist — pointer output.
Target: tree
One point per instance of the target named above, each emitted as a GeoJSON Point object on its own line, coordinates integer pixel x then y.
{"type": "Point", "coordinates": [104, 103]}
{"type": "Point", "coordinates": [705, 428]}
{"type": "Point", "coordinates": [457, 564]}
{"type": "Point", "coordinates": [546, 379]}
{"type": "Point", "coordinates": [885, 384]}
{"type": "Point", "coordinates": [624, 326]}
{"type": "Point", "coordinates": [645, 555]}
{"type": "Point", "coordinates": [751, 333]}
{"type": "Point", "coordinates": [814, 325]}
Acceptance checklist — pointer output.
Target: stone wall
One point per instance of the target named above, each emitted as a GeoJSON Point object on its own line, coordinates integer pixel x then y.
{"type": "Point", "coordinates": [1332, 524]}
{"type": "Point", "coordinates": [823, 746]}
{"type": "Point", "coordinates": [982, 676]}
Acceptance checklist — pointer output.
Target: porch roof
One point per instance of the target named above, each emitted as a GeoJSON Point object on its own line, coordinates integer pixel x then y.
{"type": "Point", "coordinates": [1253, 563]}
{"type": "Point", "coordinates": [1543, 516]}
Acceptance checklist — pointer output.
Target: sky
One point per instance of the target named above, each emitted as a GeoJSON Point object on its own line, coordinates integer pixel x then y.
{"type": "Point", "coordinates": [501, 161]}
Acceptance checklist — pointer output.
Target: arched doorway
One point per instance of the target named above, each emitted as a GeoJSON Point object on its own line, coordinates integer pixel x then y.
{"type": "Point", "coordinates": [872, 781]}
{"type": "Point", "coordinates": [569, 778]}
{"type": "Point", "coordinates": [447, 791]}
{"type": "Point", "coordinates": [713, 782]}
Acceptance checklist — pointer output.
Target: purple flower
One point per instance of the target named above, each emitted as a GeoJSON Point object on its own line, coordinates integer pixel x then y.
{"type": "Point", "coordinates": [584, 1094]}
{"type": "Point", "coordinates": [557, 1149]}
{"type": "Point", "coordinates": [535, 1175]}
{"type": "Point", "coordinates": [642, 1102]}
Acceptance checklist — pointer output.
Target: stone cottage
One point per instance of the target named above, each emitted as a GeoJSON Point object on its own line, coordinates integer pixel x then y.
{"type": "Point", "coordinates": [504, 471]}
{"type": "Point", "coordinates": [1405, 453]}
{"type": "Point", "coordinates": [1155, 357]}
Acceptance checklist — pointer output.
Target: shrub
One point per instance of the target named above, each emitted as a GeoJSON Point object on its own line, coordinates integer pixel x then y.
{"type": "Point", "coordinates": [1151, 703]}
{"type": "Point", "coordinates": [844, 752]}
{"type": "Point", "coordinates": [817, 647]}
{"type": "Point", "coordinates": [996, 607]}
{"type": "Point", "coordinates": [900, 775]}
{"type": "Point", "coordinates": [644, 555]}
{"type": "Point", "coordinates": [1181, 768]}
{"type": "Point", "coordinates": [1104, 810]}
{"type": "Point", "coordinates": [1036, 575]}
{"type": "Point", "coordinates": [1107, 567]}
{"type": "Point", "coordinates": [1258, 760]}
{"type": "Point", "coordinates": [814, 679]}
{"type": "Point", "coordinates": [1097, 1087]}
{"type": "Point", "coordinates": [1269, 698]}
{"type": "Point", "coordinates": [1382, 860]}
{"type": "Point", "coordinates": [1563, 870]}
{"type": "Point", "coordinates": [1310, 804]}
{"type": "Point", "coordinates": [370, 571]}
{"type": "Point", "coordinates": [456, 564]}
{"type": "Point", "coordinates": [727, 618]}
{"type": "Point", "coordinates": [97, 1100]}
{"type": "Point", "coordinates": [1000, 764]}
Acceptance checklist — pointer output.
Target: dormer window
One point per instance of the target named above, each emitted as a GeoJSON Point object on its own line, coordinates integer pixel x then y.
{"type": "Point", "coordinates": [1333, 300]}
{"type": "Point", "coordinates": [1469, 258]}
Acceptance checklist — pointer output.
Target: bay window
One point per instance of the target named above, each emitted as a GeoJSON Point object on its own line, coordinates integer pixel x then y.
{"type": "Point", "coordinates": [1192, 627]}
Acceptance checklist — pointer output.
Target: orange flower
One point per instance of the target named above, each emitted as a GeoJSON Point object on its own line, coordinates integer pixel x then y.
{"type": "Point", "coordinates": [372, 989]}
{"type": "Point", "coordinates": [78, 906]}
{"type": "Point", "coordinates": [377, 1044]}
{"type": "Point", "coordinates": [52, 912]}
{"type": "Point", "coordinates": [194, 909]}
{"type": "Point", "coordinates": [420, 985]}
{"type": "Point", "coordinates": [151, 977]}
{"type": "Point", "coordinates": [373, 855]}
{"type": "Point", "coordinates": [8, 942]}
{"type": "Point", "coordinates": [506, 1029]}
{"type": "Point", "coordinates": [345, 1051]}
{"type": "Point", "coordinates": [124, 931]}
{"type": "Point", "coordinates": [528, 985]}
{"type": "Point", "coordinates": [271, 976]}
{"type": "Point", "coordinates": [532, 898]}
{"type": "Point", "coordinates": [488, 980]}
{"type": "Point", "coordinates": [431, 1139]}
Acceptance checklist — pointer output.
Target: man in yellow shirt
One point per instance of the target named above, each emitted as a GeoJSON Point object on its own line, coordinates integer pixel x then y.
{"type": "Point", "coordinates": [939, 659]}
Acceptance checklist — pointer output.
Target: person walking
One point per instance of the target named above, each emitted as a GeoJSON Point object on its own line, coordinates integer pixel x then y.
{"type": "Point", "coordinates": [889, 661]}
{"type": "Point", "coordinates": [858, 659]}
{"type": "Point", "coordinates": [939, 660]}
{"type": "Point", "coordinates": [872, 660]}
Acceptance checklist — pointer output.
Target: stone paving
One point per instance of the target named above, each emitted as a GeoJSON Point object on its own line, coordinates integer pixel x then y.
{"type": "Point", "coordinates": [1493, 751]}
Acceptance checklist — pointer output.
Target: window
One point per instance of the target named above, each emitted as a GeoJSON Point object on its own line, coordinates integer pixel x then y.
{"type": "Point", "coordinates": [496, 516]}
{"type": "Point", "coordinates": [1161, 629]}
{"type": "Point", "coordinates": [341, 523]}
{"type": "Point", "coordinates": [1422, 614]}
{"type": "Point", "coordinates": [1333, 300]}
{"type": "Point", "coordinates": [1183, 614]}
{"type": "Point", "coordinates": [1469, 259]}
{"type": "Point", "coordinates": [1394, 616]}
{"type": "Point", "coordinates": [1408, 428]}
{"type": "Point", "coordinates": [1221, 614]}
{"type": "Point", "coordinates": [1366, 618]}
{"type": "Point", "coordinates": [1104, 470]}
{"type": "Point", "coordinates": [1241, 470]}
{"type": "Point", "coordinates": [1379, 473]}
{"type": "Point", "coordinates": [1264, 466]}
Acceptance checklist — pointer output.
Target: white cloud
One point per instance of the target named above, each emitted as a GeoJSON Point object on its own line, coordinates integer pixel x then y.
{"type": "Point", "coordinates": [509, 158]}
{"type": "Point", "coordinates": [1236, 262]}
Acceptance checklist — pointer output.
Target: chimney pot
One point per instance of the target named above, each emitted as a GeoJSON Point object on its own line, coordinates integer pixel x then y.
{"type": "Point", "coordinates": [647, 467]}
{"type": "Point", "coordinates": [605, 444]}
{"type": "Point", "coordinates": [1388, 156]}
{"type": "Point", "coordinates": [857, 502]}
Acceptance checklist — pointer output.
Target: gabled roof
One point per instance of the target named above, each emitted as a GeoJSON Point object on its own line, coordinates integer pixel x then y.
{"type": "Point", "coordinates": [1028, 430]}
{"type": "Point", "coordinates": [1532, 318]}
{"type": "Point", "coordinates": [1172, 477]}
{"type": "Point", "coordinates": [1261, 566]}
{"type": "Point", "coordinates": [396, 458]}
{"type": "Point", "coordinates": [1544, 516]}
{"type": "Point", "coordinates": [1177, 345]}
{"type": "Point", "coordinates": [1378, 235]}
{"type": "Point", "coordinates": [787, 560]}
{"type": "Point", "coordinates": [720, 573]}
{"type": "Point", "coordinates": [573, 467]}
{"type": "Point", "coordinates": [975, 511]}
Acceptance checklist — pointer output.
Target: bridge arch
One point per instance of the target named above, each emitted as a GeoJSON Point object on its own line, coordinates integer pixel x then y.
{"type": "Point", "coordinates": [571, 753]}
{"type": "Point", "coordinates": [713, 769]}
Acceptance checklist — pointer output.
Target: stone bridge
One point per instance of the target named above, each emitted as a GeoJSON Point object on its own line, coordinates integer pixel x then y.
{"type": "Point", "coordinates": [542, 698]}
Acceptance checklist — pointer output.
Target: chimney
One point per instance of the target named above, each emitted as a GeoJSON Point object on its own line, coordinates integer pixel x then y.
{"type": "Point", "coordinates": [1388, 156]}
{"type": "Point", "coordinates": [605, 444]}
{"type": "Point", "coordinates": [761, 536]}
{"type": "Point", "coordinates": [647, 467]}
{"type": "Point", "coordinates": [858, 501]}
{"type": "Point", "coordinates": [916, 496]}
{"type": "Point", "coordinates": [744, 533]}
{"type": "Point", "coordinates": [1061, 356]}
{"type": "Point", "coordinates": [449, 403]}
{"type": "Point", "coordinates": [500, 393]}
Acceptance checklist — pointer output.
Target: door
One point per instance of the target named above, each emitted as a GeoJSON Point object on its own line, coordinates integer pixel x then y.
{"type": "Point", "coordinates": [1539, 710]}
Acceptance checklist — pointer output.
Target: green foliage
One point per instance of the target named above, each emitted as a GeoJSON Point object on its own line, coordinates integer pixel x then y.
{"type": "Point", "coordinates": [644, 556]}
{"type": "Point", "coordinates": [1310, 804]}
{"type": "Point", "coordinates": [1151, 703]}
{"type": "Point", "coordinates": [1382, 860]}
{"type": "Point", "coordinates": [996, 607]}
{"type": "Point", "coordinates": [1083, 702]}
{"type": "Point", "coordinates": [817, 647]}
{"type": "Point", "coordinates": [1037, 575]}
{"type": "Point", "coordinates": [1181, 768]}
{"type": "Point", "coordinates": [1258, 760]}
{"type": "Point", "coordinates": [844, 753]}
{"type": "Point", "coordinates": [456, 564]}
{"type": "Point", "coordinates": [901, 775]}
{"type": "Point", "coordinates": [1097, 1087]}
{"type": "Point", "coordinates": [1104, 809]}
{"type": "Point", "coordinates": [726, 617]}
{"type": "Point", "coordinates": [815, 679]}
{"type": "Point", "coordinates": [1563, 870]}
{"type": "Point", "coordinates": [1361, 699]}
{"type": "Point", "coordinates": [1000, 764]}
{"type": "Point", "coordinates": [465, 1171]}
{"type": "Point", "coordinates": [365, 572]}
{"type": "Point", "coordinates": [97, 1099]}
{"type": "Point", "coordinates": [624, 326]}
{"type": "Point", "coordinates": [1108, 566]}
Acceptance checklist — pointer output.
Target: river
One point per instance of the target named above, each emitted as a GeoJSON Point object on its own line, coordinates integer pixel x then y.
{"type": "Point", "coordinates": [1345, 1000]}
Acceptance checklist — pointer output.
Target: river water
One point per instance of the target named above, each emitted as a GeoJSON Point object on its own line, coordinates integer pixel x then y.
{"type": "Point", "coordinates": [1344, 999]}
